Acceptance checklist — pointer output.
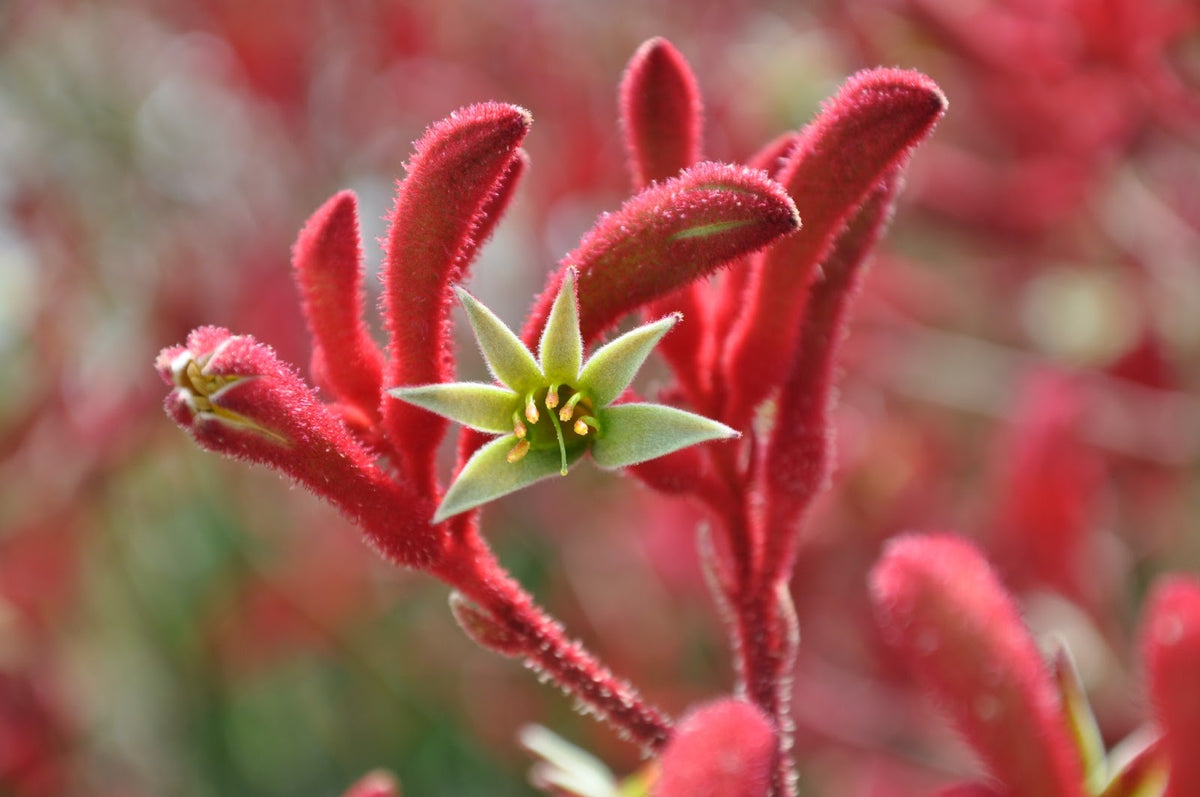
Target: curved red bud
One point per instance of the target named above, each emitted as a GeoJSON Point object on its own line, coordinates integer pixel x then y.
{"type": "Point", "coordinates": [236, 398]}
{"type": "Point", "coordinates": [866, 131]}
{"type": "Point", "coordinates": [661, 113]}
{"type": "Point", "coordinates": [662, 119]}
{"type": "Point", "coordinates": [327, 260]}
{"type": "Point", "coordinates": [666, 237]}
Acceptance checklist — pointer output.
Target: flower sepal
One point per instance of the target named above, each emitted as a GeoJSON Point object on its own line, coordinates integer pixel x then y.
{"type": "Point", "coordinates": [552, 409]}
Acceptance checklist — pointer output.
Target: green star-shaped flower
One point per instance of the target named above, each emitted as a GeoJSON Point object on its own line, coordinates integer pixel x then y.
{"type": "Point", "coordinates": [551, 412]}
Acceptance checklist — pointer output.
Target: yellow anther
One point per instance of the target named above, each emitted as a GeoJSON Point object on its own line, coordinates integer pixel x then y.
{"type": "Point", "coordinates": [552, 397]}
{"type": "Point", "coordinates": [519, 427]}
{"type": "Point", "coordinates": [518, 451]}
{"type": "Point", "coordinates": [580, 427]}
{"type": "Point", "coordinates": [569, 408]}
{"type": "Point", "coordinates": [195, 377]}
{"type": "Point", "coordinates": [531, 410]}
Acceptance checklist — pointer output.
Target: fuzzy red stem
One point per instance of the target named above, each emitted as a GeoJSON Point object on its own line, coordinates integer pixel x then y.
{"type": "Point", "coordinates": [472, 569]}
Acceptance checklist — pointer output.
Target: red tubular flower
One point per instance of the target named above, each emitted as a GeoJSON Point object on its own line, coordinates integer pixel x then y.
{"type": "Point", "coordinates": [1171, 646]}
{"type": "Point", "coordinates": [722, 749]}
{"type": "Point", "coordinates": [329, 272]}
{"type": "Point", "coordinates": [798, 458]}
{"type": "Point", "coordinates": [235, 397]}
{"type": "Point", "coordinates": [865, 132]}
{"type": "Point", "coordinates": [758, 329]}
{"type": "Point", "coordinates": [463, 168]}
{"type": "Point", "coordinates": [661, 113]}
{"type": "Point", "coordinates": [946, 614]}
{"type": "Point", "coordinates": [726, 299]}
{"type": "Point", "coordinates": [666, 237]}
{"type": "Point", "coordinates": [662, 118]}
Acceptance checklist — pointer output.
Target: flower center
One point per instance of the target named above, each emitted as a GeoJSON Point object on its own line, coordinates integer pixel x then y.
{"type": "Point", "coordinates": [199, 389]}
{"type": "Point", "coordinates": [189, 374]}
{"type": "Point", "coordinates": [554, 416]}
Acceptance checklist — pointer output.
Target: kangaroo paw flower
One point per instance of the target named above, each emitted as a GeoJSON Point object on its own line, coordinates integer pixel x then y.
{"type": "Point", "coordinates": [235, 397]}
{"type": "Point", "coordinates": [575, 396]}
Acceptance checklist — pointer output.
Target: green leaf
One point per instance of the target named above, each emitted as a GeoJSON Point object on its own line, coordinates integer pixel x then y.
{"type": "Point", "coordinates": [488, 408]}
{"type": "Point", "coordinates": [488, 475]}
{"type": "Point", "coordinates": [610, 370]}
{"type": "Point", "coordinates": [633, 433]}
{"type": "Point", "coordinates": [561, 348]}
{"type": "Point", "coordinates": [506, 356]}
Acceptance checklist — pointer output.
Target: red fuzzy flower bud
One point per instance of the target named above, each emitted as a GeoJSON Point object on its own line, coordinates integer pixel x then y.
{"type": "Point", "coordinates": [943, 610]}
{"type": "Point", "coordinates": [237, 398]}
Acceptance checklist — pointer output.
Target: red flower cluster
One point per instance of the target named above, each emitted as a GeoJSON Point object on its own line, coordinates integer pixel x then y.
{"type": "Point", "coordinates": [765, 307]}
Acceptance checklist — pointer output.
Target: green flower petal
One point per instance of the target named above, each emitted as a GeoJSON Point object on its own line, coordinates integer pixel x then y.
{"type": "Point", "coordinates": [610, 370]}
{"type": "Point", "coordinates": [488, 408]}
{"type": "Point", "coordinates": [506, 356]}
{"type": "Point", "coordinates": [489, 475]}
{"type": "Point", "coordinates": [633, 433]}
{"type": "Point", "coordinates": [561, 347]}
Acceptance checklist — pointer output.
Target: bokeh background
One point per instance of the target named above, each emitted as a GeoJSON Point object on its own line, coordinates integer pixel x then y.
{"type": "Point", "coordinates": [1022, 368]}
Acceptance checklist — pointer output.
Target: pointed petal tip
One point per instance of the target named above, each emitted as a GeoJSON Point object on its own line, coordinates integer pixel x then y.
{"type": "Point", "coordinates": [652, 45]}
{"type": "Point", "coordinates": [444, 513]}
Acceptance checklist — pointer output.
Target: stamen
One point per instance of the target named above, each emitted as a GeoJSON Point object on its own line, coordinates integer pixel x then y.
{"type": "Point", "coordinates": [552, 397]}
{"type": "Point", "coordinates": [581, 428]}
{"type": "Point", "coordinates": [518, 451]}
{"type": "Point", "coordinates": [518, 426]}
{"type": "Point", "coordinates": [562, 445]}
{"type": "Point", "coordinates": [569, 408]}
{"type": "Point", "coordinates": [531, 410]}
{"type": "Point", "coordinates": [583, 424]}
